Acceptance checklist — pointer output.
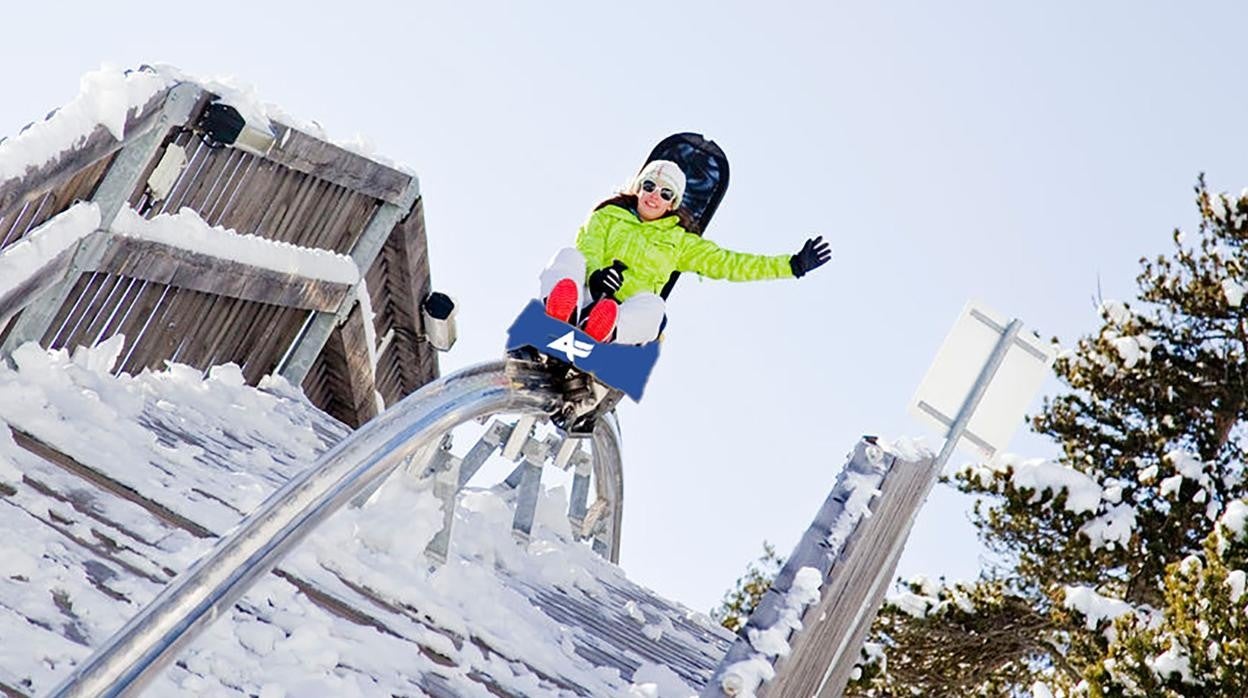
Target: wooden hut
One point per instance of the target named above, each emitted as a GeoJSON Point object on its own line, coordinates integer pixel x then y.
{"type": "Point", "coordinates": [353, 345]}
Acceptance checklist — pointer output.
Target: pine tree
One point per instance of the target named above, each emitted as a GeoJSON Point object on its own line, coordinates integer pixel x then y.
{"type": "Point", "coordinates": [740, 601]}
{"type": "Point", "coordinates": [1152, 437]}
{"type": "Point", "coordinates": [1200, 645]}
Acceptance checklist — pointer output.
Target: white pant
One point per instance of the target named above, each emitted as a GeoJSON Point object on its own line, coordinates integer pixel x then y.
{"type": "Point", "coordinates": [640, 316]}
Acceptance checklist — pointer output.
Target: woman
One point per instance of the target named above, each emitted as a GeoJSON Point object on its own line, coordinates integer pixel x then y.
{"type": "Point", "coordinates": [629, 248]}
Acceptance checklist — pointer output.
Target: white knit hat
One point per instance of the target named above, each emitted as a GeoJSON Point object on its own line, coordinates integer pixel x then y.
{"type": "Point", "coordinates": [665, 173]}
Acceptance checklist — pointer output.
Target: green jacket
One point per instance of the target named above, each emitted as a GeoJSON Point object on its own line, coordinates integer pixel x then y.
{"type": "Point", "coordinates": [654, 249]}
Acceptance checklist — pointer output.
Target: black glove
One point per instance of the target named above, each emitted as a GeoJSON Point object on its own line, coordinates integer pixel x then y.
{"type": "Point", "coordinates": [813, 254]}
{"type": "Point", "coordinates": [605, 282]}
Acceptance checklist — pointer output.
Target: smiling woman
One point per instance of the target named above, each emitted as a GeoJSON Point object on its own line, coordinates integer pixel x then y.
{"type": "Point", "coordinates": [629, 249]}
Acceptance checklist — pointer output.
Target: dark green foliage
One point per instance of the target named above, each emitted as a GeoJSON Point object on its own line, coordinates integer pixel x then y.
{"type": "Point", "coordinates": [740, 601]}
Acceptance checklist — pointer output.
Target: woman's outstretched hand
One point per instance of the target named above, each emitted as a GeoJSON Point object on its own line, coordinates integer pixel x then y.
{"type": "Point", "coordinates": [813, 254]}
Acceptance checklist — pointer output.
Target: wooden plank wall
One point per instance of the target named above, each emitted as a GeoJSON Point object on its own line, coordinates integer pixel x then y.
{"type": "Point", "coordinates": [399, 281]}
{"type": "Point", "coordinates": [308, 193]}
{"type": "Point", "coordinates": [42, 203]}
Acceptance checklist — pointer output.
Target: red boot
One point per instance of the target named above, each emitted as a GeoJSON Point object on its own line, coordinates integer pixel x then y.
{"type": "Point", "coordinates": [563, 300]}
{"type": "Point", "coordinates": [601, 321]}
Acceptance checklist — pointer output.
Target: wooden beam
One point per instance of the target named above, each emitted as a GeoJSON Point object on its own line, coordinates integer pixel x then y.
{"type": "Point", "coordinates": [105, 482]}
{"type": "Point", "coordinates": [352, 340]}
{"type": "Point", "coordinates": [304, 153]}
{"type": "Point", "coordinates": [155, 261]}
{"type": "Point", "coordinates": [45, 278]}
{"type": "Point", "coordinates": [825, 649]}
{"type": "Point", "coordinates": [99, 144]}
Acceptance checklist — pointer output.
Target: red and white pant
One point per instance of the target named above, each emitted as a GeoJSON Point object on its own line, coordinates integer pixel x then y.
{"type": "Point", "coordinates": [640, 316]}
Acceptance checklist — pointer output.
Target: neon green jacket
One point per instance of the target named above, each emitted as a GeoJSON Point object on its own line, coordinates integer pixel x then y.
{"type": "Point", "coordinates": [654, 249]}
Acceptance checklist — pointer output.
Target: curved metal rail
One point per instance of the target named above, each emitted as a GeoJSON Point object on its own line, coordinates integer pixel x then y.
{"type": "Point", "coordinates": [137, 652]}
{"type": "Point", "coordinates": [609, 476]}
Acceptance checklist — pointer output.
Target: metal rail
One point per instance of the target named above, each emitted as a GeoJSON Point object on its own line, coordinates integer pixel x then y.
{"type": "Point", "coordinates": [609, 476]}
{"type": "Point", "coordinates": [137, 652]}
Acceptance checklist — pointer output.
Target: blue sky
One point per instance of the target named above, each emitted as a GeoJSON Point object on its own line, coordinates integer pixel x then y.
{"type": "Point", "coordinates": [1022, 154]}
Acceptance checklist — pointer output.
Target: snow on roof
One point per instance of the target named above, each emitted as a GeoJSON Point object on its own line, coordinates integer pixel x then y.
{"type": "Point", "coordinates": [110, 485]}
{"type": "Point", "coordinates": [187, 230]}
{"type": "Point", "coordinates": [108, 94]}
{"type": "Point", "coordinates": [104, 98]}
{"type": "Point", "coordinates": [21, 260]}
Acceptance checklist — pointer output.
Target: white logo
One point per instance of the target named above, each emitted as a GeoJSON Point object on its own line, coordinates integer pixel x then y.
{"type": "Point", "coordinates": [570, 347]}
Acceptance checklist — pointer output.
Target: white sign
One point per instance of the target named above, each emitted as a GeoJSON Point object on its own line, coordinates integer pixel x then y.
{"type": "Point", "coordinates": [957, 368]}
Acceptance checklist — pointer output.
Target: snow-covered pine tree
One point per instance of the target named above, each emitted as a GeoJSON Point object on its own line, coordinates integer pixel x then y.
{"type": "Point", "coordinates": [1152, 436]}
{"type": "Point", "coordinates": [1198, 644]}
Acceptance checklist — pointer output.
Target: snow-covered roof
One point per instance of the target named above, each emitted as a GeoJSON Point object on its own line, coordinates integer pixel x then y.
{"type": "Point", "coordinates": [111, 485]}
{"type": "Point", "coordinates": [127, 211]}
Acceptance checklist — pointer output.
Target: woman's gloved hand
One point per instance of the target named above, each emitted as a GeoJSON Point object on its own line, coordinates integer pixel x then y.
{"type": "Point", "coordinates": [813, 254]}
{"type": "Point", "coordinates": [607, 281]}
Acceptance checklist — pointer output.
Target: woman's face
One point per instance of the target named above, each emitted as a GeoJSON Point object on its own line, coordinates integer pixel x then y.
{"type": "Point", "coordinates": [652, 205]}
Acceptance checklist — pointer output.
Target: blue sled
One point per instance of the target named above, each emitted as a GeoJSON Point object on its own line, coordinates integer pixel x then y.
{"type": "Point", "coordinates": [624, 367]}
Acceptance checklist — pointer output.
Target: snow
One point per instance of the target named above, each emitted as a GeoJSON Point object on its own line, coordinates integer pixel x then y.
{"type": "Point", "coordinates": [1171, 485]}
{"type": "Point", "coordinates": [1133, 349]}
{"type": "Point", "coordinates": [914, 605]}
{"type": "Point", "coordinates": [1234, 292]}
{"type": "Point", "coordinates": [664, 682]}
{"type": "Point", "coordinates": [21, 260]}
{"type": "Point", "coordinates": [188, 231]}
{"type": "Point", "coordinates": [1114, 526]}
{"type": "Point", "coordinates": [1217, 206]}
{"type": "Point", "coordinates": [1236, 581]}
{"type": "Point", "coordinates": [1236, 518]}
{"type": "Point", "coordinates": [1083, 495]}
{"type": "Point", "coordinates": [277, 641]}
{"type": "Point", "coordinates": [1116, 312]}
{"type": "Point", "coordinates": [1187, 464]}
{"type": "Point", "coordinates": [260, 114]}
{"type": "Point", "coordinates": [925, 585]}
{"type": "Point", "coordinates": [1173, 661]}
{"type": "Point", "coordinates": [104, 98]}
{"type": "Point", "coordinates": [741, 679]}
{"type": "Point", "coordinates": [1040, 690]}
{"type": "Point", "coordinates": [911, 450]}
{"type": "Point", "coordinates": [862, 488]}
{"type": "Point", "coordinates": [1093, 606]}
{"type": "Point", "coordinates": [774, 641]}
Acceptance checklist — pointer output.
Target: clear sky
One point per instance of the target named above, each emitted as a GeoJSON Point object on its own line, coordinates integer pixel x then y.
{"type": "Point", "coordinates": [1023, 154]}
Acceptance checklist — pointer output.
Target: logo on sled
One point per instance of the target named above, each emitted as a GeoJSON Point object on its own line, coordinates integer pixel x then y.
{"type": "Point", "coordinates": [570, 347]}
{"type": "Point", "coordinates": [624, 367]}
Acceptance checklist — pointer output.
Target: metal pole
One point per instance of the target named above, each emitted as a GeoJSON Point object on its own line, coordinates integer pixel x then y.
{"type": "Point", "coordinates": [134, 655]}
{"type": "Point", "coordinates": [986, 375]}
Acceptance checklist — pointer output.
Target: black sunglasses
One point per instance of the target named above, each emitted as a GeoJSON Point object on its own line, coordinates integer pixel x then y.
{"type": "Point", "coordinates": [664, 193]}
